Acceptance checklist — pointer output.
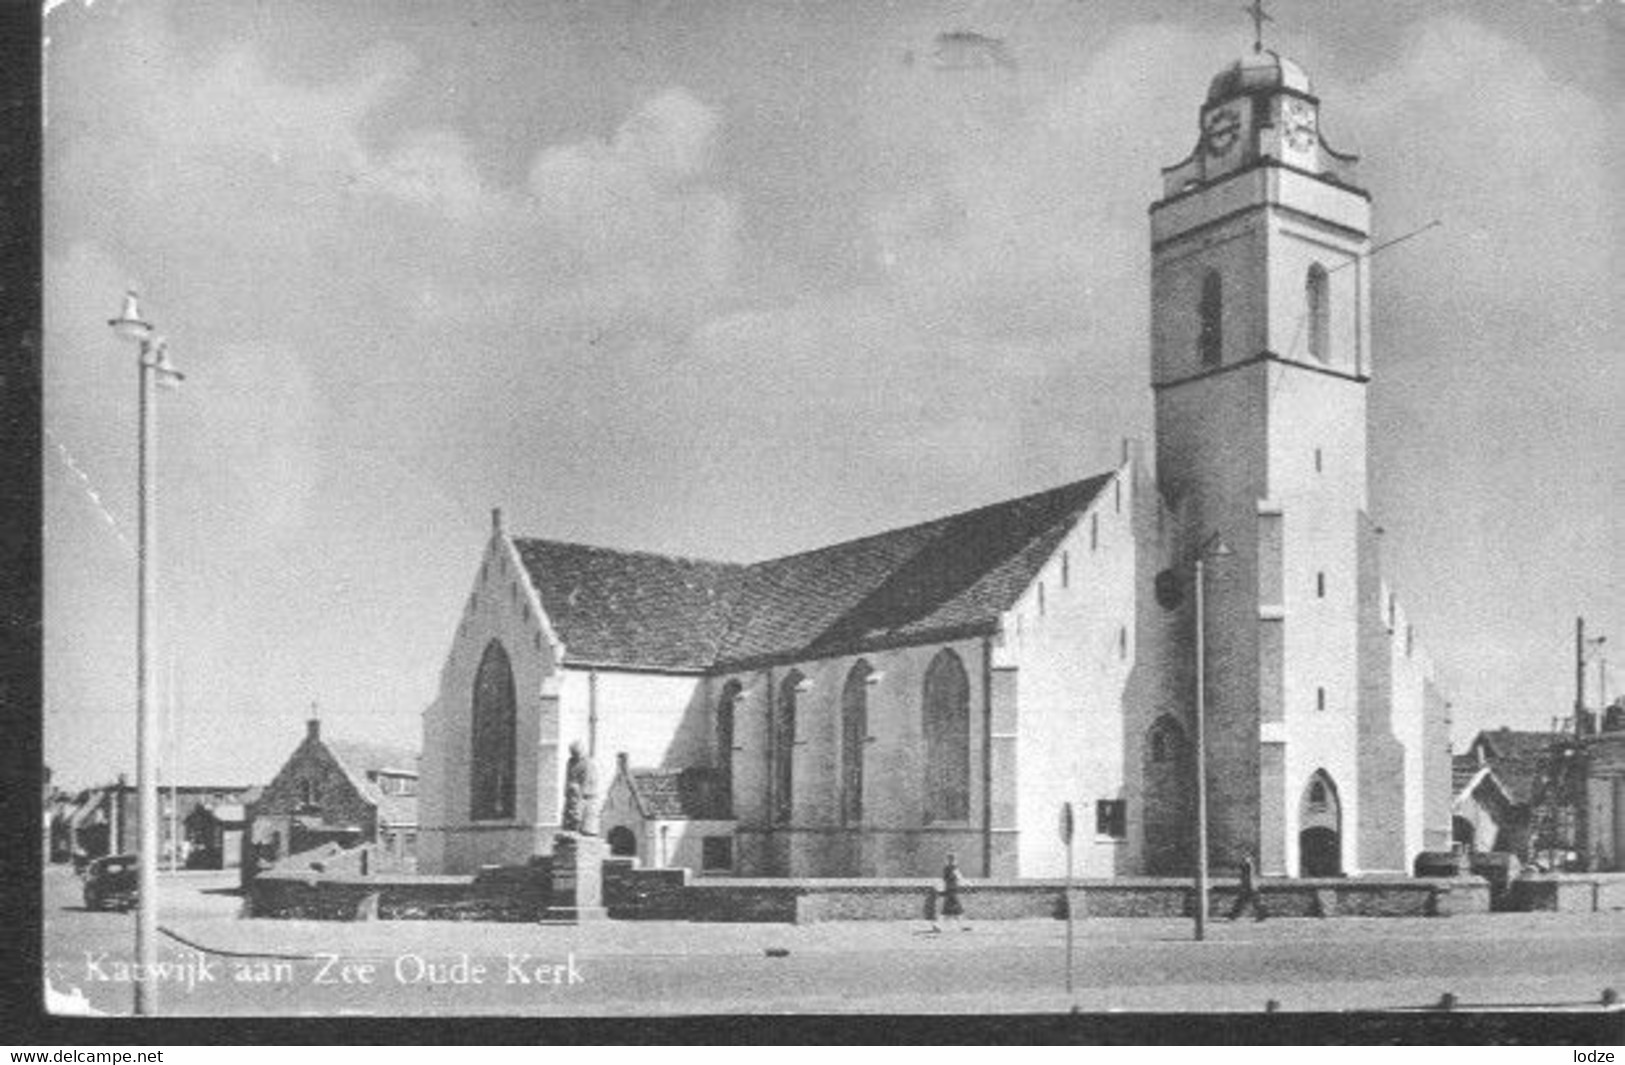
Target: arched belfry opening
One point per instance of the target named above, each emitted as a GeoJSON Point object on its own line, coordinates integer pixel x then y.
{"type": "Point", "coordinates": [1320, 828]}
{"type": "Point", "coordinates": [1210, 341]}
{"type": "Point", "coordinates": [1317, 311]}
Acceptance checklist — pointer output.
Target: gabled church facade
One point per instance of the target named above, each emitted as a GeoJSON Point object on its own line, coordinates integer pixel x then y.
{"type": "Point", "coordinates": [869, 707]}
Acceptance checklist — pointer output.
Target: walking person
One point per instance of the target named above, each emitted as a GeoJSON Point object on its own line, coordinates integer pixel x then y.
{"type": "Point", "coordinates": [1247, 896]}
{"type": "Point", "coordinates": [951, 908]}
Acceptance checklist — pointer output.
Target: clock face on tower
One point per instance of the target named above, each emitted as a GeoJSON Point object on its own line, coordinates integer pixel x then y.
{"type": "Point", "coordinates": [1298, 125]}
{"type": "Point", "coordinates": [1220, 130]}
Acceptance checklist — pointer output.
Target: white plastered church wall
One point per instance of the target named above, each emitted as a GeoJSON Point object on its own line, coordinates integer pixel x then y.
{"type": "Point", "coordinates": [502, 606]}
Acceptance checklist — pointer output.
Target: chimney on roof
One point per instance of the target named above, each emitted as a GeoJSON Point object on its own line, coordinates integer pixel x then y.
{"type": "Point", "coordinates": [623, 763]}
{"type": "Point", "coordinates": [313, 728]}
{"type": "Point", "coordinates": [496, 519]}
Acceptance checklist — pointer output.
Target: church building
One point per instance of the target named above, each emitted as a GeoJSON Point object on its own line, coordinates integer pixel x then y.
{"type": "Point", "coordinates": [865, 709]}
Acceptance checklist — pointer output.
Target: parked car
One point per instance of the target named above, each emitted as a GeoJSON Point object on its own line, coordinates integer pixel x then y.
{"type": "Point", "coordinates": [110, 883]}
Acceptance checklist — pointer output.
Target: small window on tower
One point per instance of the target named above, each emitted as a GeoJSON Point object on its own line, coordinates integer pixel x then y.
{"type": "Point", "coordinates": [1210, 342]}
{"type": "Point", "coordinates": [1320, 698]}
{"type": "Point", "coordinates": [1320, 585]}
{"type": "Point", "coordinates": [1066, 569]}
{"type": "Point", "coordinates": [1122, 641]}
{"type": "Point", "coordinates": [1040, 598]}
{"type": "Point", "coordinates": [1318, 464]}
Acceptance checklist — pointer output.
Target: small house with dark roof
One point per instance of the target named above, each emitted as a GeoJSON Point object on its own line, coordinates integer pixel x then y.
{"type": "Point", "coordinates": [670, 818]}
{"type": "Point", "coordinates": [339, 791]}
{"type": "Point", "coordinates": [945, 687]}
{"type": "Point", "coordinates": [1483, 815]}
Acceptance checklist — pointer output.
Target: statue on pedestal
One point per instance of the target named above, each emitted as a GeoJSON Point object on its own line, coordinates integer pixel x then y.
{"type": "Point", "coordinates": [580, 794]}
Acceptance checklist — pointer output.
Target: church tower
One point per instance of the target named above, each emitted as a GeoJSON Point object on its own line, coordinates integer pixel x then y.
{"type": "Point", "coordinates": [1260, 360]}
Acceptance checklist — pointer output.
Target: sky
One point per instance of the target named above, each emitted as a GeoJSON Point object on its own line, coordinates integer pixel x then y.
{"type": "Point", "coordinates": [732, 280]}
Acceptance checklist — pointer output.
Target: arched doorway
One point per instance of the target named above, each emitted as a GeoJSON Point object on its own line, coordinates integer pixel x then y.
{"type": "Point", "coordinates": [1320, 828]}
{"type": "Point", "coordinates": [1168, 813]}
{"type": "Point", "coordinates": [622, 843]}
{"type": "Point", "coordinates": [1463, 832]}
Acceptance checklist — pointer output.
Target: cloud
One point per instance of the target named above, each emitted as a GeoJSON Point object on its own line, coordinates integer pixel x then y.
{"type": "Point", "coordinates": [327, 186]}
{"type": "Point", "coordinates": [1031, 223]}
{"type": "Point", "coordinates": [263, 416]}
{"type": "Point", "coordinates": [1471, 127]}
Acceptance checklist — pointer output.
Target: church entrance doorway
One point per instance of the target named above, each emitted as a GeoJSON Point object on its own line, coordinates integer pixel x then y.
{"type": "Point", "coordinates": [1320, 828]}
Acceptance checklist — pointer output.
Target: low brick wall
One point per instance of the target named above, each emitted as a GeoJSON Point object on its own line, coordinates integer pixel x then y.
{"type": "Point", "coordinates": [506, 894]}
{"type": "Point", "coordinates": [643, 894]}
{"type": "Point", "coordinates": [521, 894]}
{"type": "Point", "coordinates": [807, 901]}
{"type": "Point", "coordinates": [1569, 892]}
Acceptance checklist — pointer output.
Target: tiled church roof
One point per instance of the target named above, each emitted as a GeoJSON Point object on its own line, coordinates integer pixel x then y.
{"type": "Point", "coordinates": [361, 760]}
{"type": "Point", "coordinates": [679, 794]}
{"type": "Point", "coordinates": [950, 576]}
{"type": "Point", "coordinates": [630, 607]}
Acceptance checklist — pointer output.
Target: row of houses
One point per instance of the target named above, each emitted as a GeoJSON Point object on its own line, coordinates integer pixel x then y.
{"type": "Point", "coordinates": [1552, 799]}
{"type": "Point", "coordinates": [200, 825]}
{"type": "Point", "coordinates": [327, 791]}
{"type": "Point", "coordinates": [1548, 798]}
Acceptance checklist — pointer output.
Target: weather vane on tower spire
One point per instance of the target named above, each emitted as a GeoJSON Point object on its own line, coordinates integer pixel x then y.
{"type": "Point", "coordinates": [1260, 16]}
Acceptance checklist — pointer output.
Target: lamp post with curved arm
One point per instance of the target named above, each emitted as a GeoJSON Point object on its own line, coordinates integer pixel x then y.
{"type": "Point", "coordinates": [154, 368]}
{"type": "Point", "coordinates": [1212, 548]}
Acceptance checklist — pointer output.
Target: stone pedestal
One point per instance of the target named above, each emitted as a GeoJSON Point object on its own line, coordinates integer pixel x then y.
{"type": "Point", "coordinates": [578, 878]}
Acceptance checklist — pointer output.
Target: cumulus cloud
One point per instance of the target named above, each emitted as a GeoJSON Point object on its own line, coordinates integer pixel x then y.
{"type": "Point", "coordinates": [1471, 127]}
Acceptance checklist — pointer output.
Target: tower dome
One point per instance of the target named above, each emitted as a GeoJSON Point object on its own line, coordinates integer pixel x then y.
{"type": "Point", "coordinates": [1258, 72]}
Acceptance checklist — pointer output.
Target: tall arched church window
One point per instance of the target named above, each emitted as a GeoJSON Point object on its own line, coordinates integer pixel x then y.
{"type": "Point", "coordinates": [854, 729]}
{"type": "Point", "coordinates": [784, 747]}
{"type": "Point", "coordinates": [1210, 342]}
{"type": "Point", "coordinates": [491, 769]}
{"type": "Point", "coordinates": [1167, 817]}
{"type": "Point", "coordinates": [1317, 305]}
{"type": "Point", "coordinates": [723, 738]}
{"type": "Point", "coordinates": [947, 739]}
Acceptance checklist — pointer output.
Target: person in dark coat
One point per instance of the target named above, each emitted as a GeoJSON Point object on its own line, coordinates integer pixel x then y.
{"type": "Point", "coordinates": [1247, 895]}
{"type": "Point", "coordinates": [951, 907]}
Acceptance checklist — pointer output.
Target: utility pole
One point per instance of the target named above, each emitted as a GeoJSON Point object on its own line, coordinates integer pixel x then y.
{"type": "Point", "coordinates": [1579, 675]}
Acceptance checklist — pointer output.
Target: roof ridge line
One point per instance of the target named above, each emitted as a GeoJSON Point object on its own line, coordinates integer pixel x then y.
{"type": "Point", "coordinates": [894, 530]}
{"type": "Point", "coordinates": [639, 552]}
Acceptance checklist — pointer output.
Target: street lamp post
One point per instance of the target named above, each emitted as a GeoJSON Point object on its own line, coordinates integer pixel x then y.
{"type": "Point", "coordinates": [1212, 548]}
{"type": "Point", "coordinates": [154, 366]}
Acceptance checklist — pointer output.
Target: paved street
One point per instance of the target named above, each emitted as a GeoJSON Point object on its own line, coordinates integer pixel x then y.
{"type": "Point", "coordinates": [1519, 960]}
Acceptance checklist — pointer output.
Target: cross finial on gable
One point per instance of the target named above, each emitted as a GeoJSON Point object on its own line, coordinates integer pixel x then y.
{"type": "Point", "coordinates": [1259, 16]}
